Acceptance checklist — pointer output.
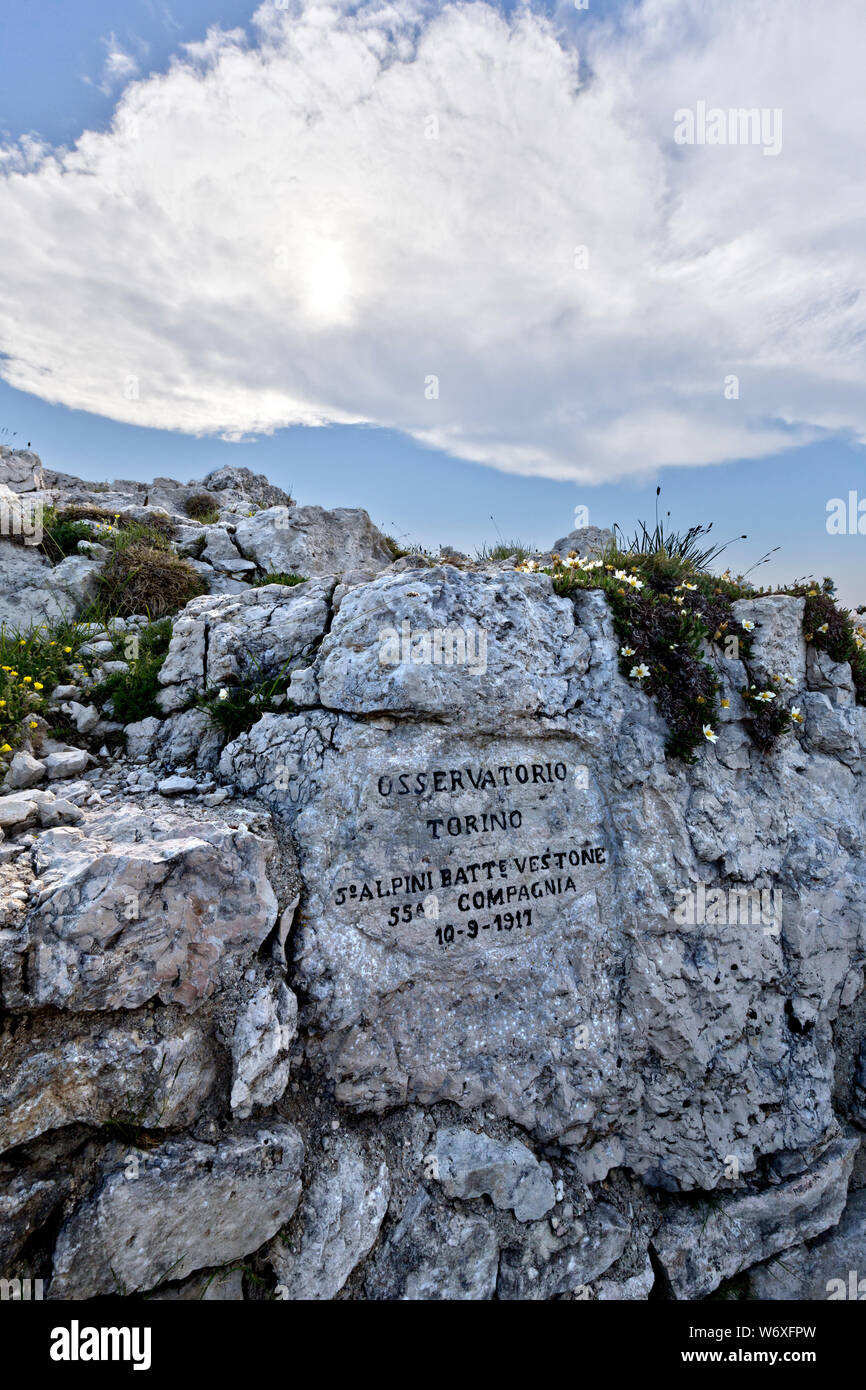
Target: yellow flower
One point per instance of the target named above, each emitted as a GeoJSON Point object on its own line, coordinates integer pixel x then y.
{"type": "Point", "coordinates": [726, 704]}
{"type": "Point", "coordinates": [52, 644]}
{"type": "Point", "coordinates": [37, 685]}
{"type": "Point", "coordinates": [22, 641]}
{"type": "Point", "coordinates": [2, 704]}
{"type": "Point", "coordinates": [25, 680]}
{"type": "Point", "coordinates": [33, 724]}
{"type": "Point", "coordinates": [67, 649]}
{"type": "Point", "coordinates": [6, 748]}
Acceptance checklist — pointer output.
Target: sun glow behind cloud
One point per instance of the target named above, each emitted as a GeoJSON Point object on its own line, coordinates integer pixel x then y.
{"type": "Point", "coordinates": [308, 228]}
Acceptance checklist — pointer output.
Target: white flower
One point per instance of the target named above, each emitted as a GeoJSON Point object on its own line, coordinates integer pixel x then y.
{"type": "Point", "coordinates": [639, 672]}
{"type": "Point", "coordinates": [709, 734]}
{"type": "Point", "coordinates": [796, 715]}
{"type": "Point", "coordinates": [635, 583]}
{"type": "Point", "coordinates": [626, 651]}
{"type": "Point", "coordinates": [690, 586]}
{"type": "Point", "coordinates": [223, 695]}
{"type": "Point", "coordinates": [765, 696]}
{"type": "Point", "coordinates": [747, 625]}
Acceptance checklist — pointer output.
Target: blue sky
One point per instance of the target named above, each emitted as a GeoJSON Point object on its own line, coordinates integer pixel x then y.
{"type": "Point", "coordinates": [67, 65]}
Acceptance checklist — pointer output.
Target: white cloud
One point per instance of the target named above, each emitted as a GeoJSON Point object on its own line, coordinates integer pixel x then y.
{"type": "Point", "coordinates": [268, 235]}
{"type": "Point", "coordinates": [119, 66]}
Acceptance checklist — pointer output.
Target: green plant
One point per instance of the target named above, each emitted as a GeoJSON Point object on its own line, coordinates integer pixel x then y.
{"type": "Point", "coordinates": [133, 693]}
{"type": "Point", "coordinates": [201, 506]}
{"type": "Point", "coordinates": [113, 524]}
{"type": "Point", "coordinates": [236, 708]}
{"type": "Point", "coordinates": [279, 578]}
{"type": "Point", "coordinates": [32, 663]}
{"type": "Point", "coordinates": [832, 629]}
{"type": "Point", "coordinates": [394, 548]}
{"type": "Point", "coordinates": [144, 575]}
{"type": "Point", "coordinates": [504, 551]}
{"type": "Point", "coordinates": [61, 534]}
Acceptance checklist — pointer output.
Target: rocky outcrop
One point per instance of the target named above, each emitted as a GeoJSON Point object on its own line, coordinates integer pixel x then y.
{"type": "Point", "coordinates": [311, 540]}
{"type": "Point", "coordinates": [132, 907]}
{"type": "Point", "coordinates": [21, 470]}
{"type": "Point", "coordinates": [176, 1209]}
{"type": "Point", "coordinates": [700, 1245]}
{"type": "Point", "coordinates": [440, 978]}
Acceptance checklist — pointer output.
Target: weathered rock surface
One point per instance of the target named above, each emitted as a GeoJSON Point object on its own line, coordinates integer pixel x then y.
{"type": "Point", "coordinates": [255, 636]}
{"type": "Point", "coordinates": [821, 1269]}
{"type": "Point", "coordinates": [471, 1165]}
{"type": "Point", "coordinates": [634, 1037]}
{"type": "Point", "coordinates": [336, 1225]}
{"type": "Point", "coordinates": [698, 1246]}
{"type": "Point", "coordinates": [260, 1049]}
{"type": "Point", "coordinates": [471, 649]}
{"type": "Point", "coordinates": [21, 470]}
{"type": "Point", "coordinates": [436, 1253]}
{"type": "Point", "coordinates": [312, 541]}
{"type": "Point", "coordinates": [92, 1071]}
{"type": "Point", "coordinates": [134, 907]}
{"type": "Point", "coordinates": [549, 1263]}
{"type": "Point", "coordinates": [587, 541]}
{"type": "Point", "coordinates": [582, 1000]}
{"type": "Point", "coordinates": [165, 1212]}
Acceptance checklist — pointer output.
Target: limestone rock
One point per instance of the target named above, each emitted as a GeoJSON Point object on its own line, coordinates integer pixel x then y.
{"type": "Point", "coordinates": [176, 785]}
{"type": "Point", "coordinates": [221, 552]}
{"type": "Point", "coordinates": [135, 907]}
{"type": "Point", "coordinates": [312, 541]}
{"type": "Point", "coordinates": [435, 1253]}
{"type": "Point", "coordinates": [212, 1286]}
{"type": "Point", "coordinates": [821, 1269]}
{"type": "Point", "coordinates": [70, 762]}
{"type": "Point", "coordinates": [335, 1227]}
{"type": "Point", "coordinates": [185, 1206]}
{"type": "Point", "coordinates": [92, 1071]}
{"type": "Point", "coordinates": [251, 487]}
{"type": "Point", "coordinates": [470, 1165]}
{"type": "Point", "coordinates": [21, 470]}
{"type": "Point", "coordinates": [588, 541]}
{"type": "Point", "coordinates": [700, 1245]}
{"type": "Point", "coordinates": [260, 1049]}
{"type": "Point", "coordinates": [778, 642]}
{"type": "Point", "coordinates": [31, 1190]}
{"type": "Point", "coordinates": [17, 812]}
{"type": "Point", "coordinates": [250, 637]}
{"type": "Point", "coordinates": [475, 649]}
{"type": "Point", "coordinates": [24, 771]}
{"type": "Point", "coordinates": [548, 1263]}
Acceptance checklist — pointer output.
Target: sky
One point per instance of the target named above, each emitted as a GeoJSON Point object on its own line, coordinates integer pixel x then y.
{"type": "Point", "coordinates": [468, 266]}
